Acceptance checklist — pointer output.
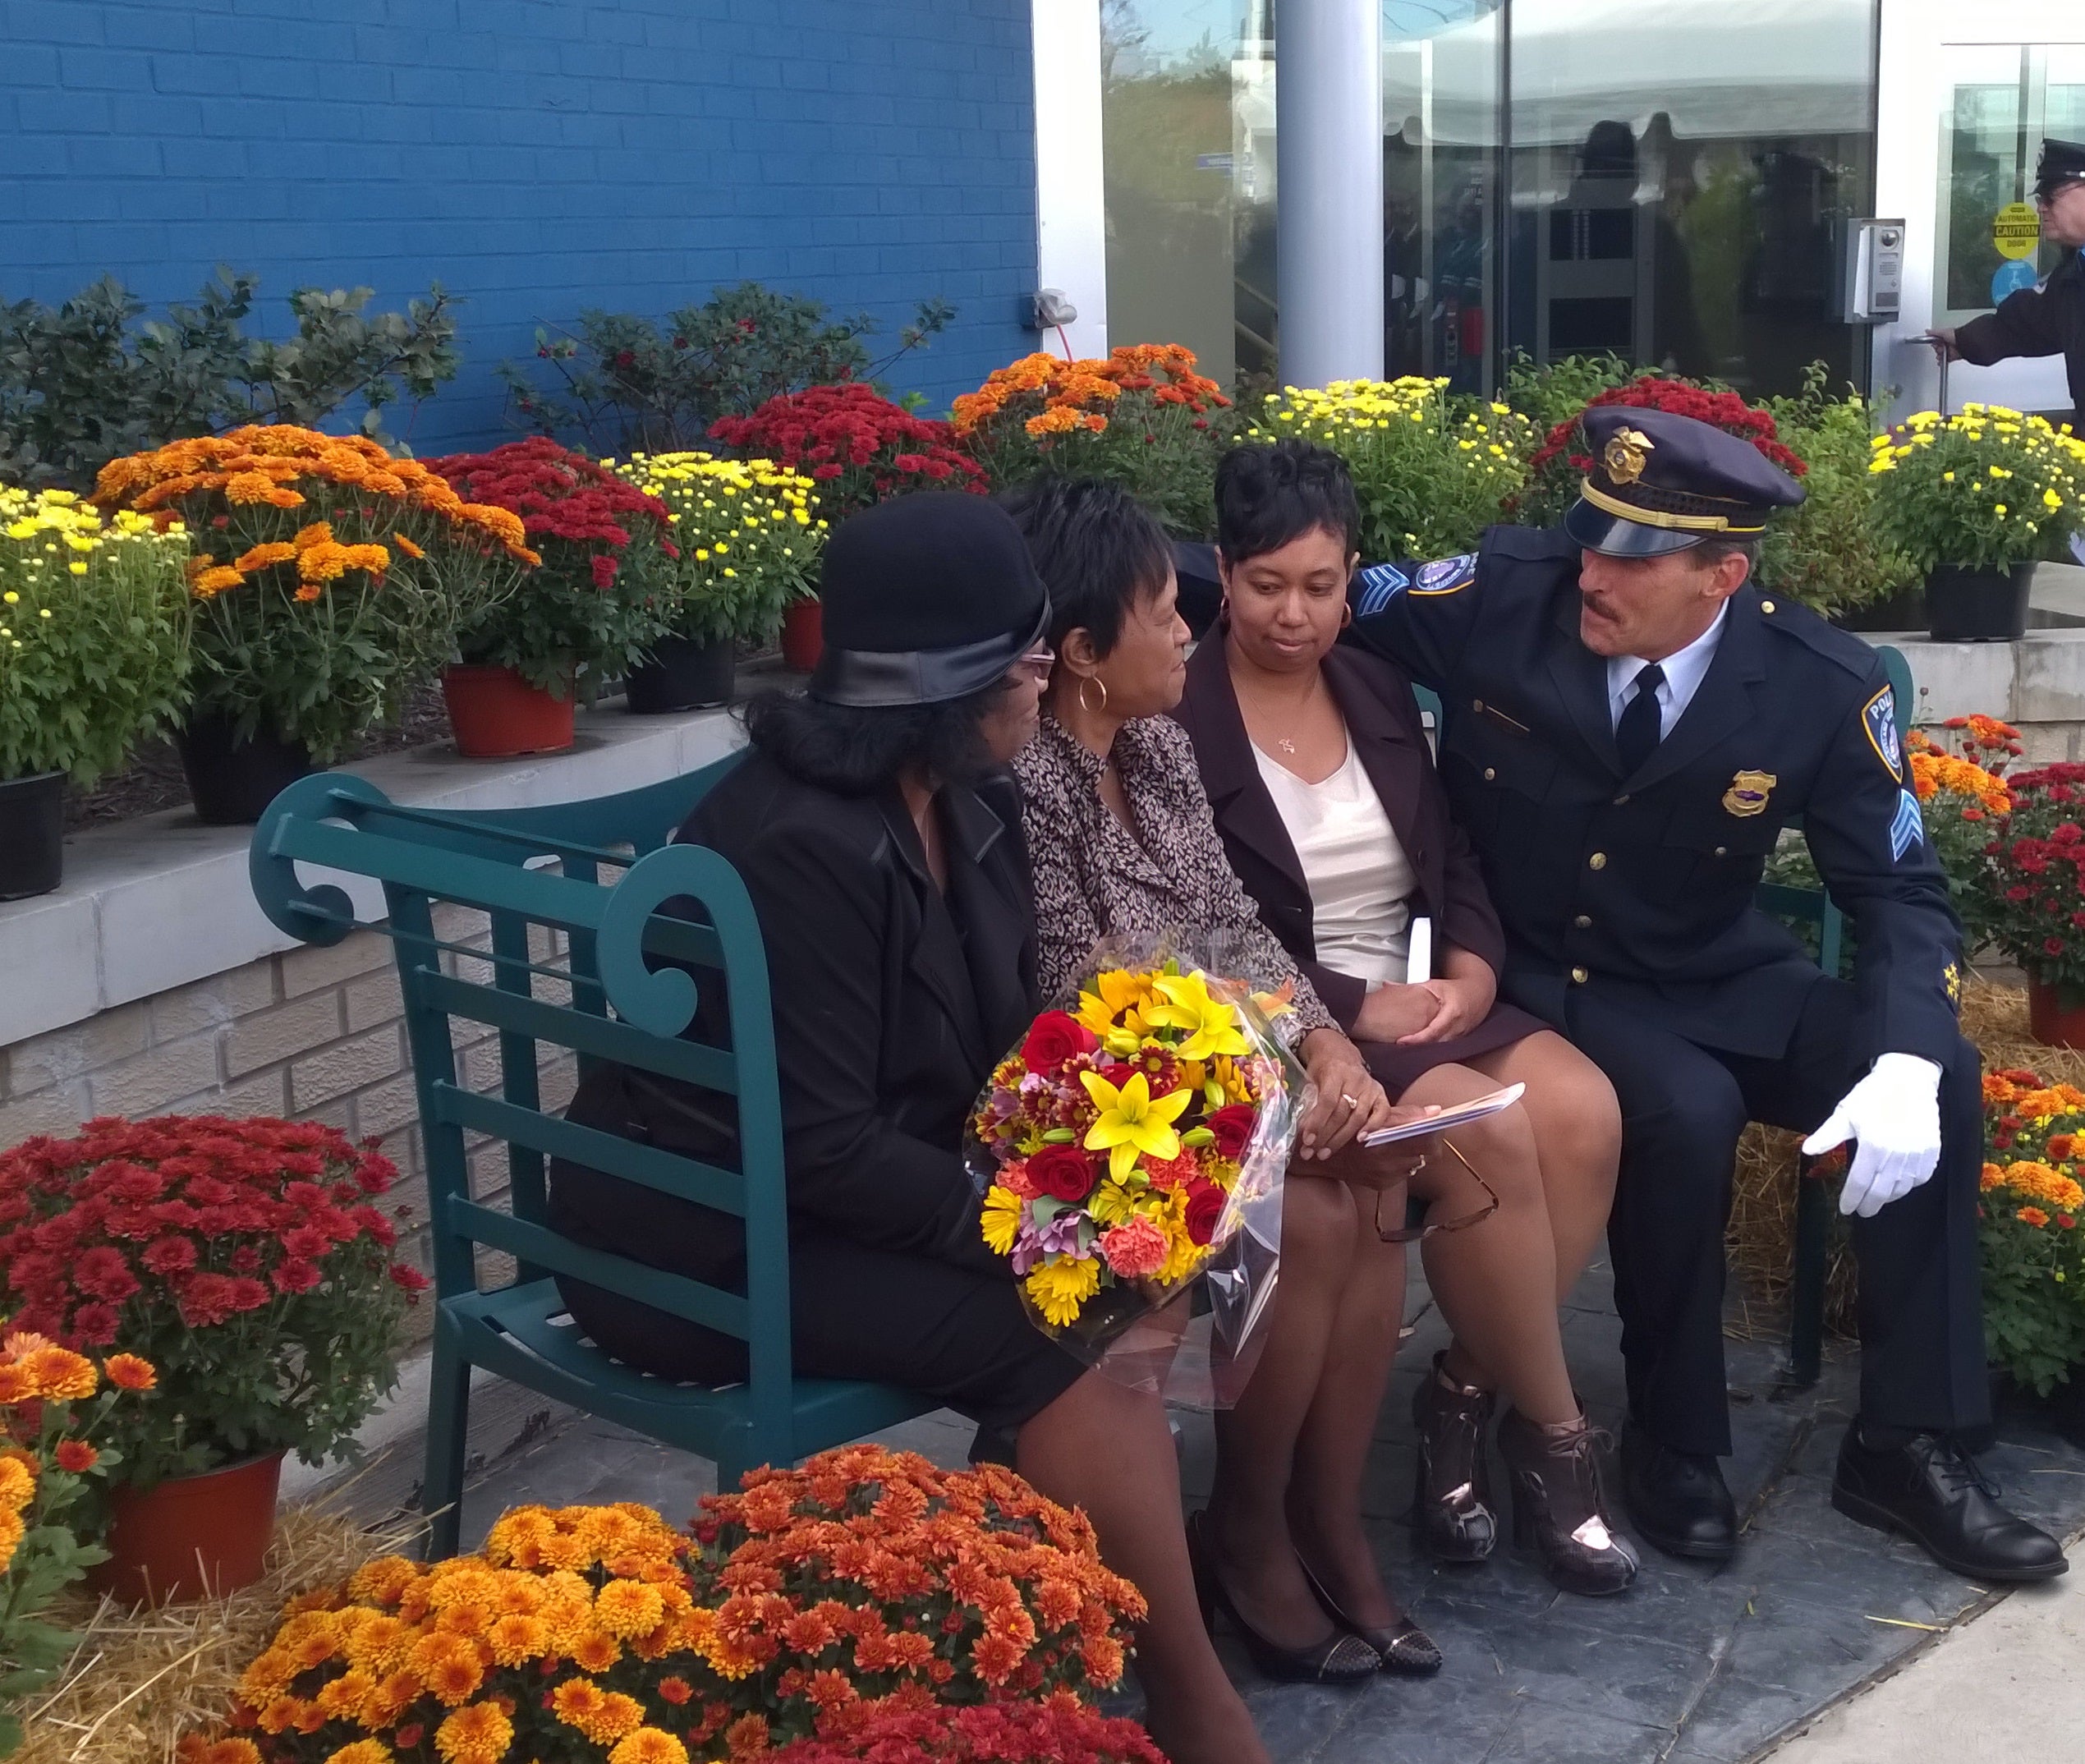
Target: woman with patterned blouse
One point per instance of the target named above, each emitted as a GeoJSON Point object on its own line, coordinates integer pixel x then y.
{"type": "Point", "coordinates": [1122, 842]}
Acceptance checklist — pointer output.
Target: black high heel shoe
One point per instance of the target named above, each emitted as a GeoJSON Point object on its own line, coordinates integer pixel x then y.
{"type": "Point", "coordinates": [1407, 1650]}
{"type": "Point", "coordinates": [1341, 1658]}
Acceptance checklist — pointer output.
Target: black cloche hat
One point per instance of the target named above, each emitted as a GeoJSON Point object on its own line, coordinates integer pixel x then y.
{"type": "Point", "coordinates": [1663, 482]}
{"type": "Point", "coordinates": [2060, 162]}
{"type": "Point", "coordinates": [927, 597]}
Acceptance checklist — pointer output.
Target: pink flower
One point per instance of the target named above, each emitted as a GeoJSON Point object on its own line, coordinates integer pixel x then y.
{"type": "Point", "coordinates": [1134, 1248]}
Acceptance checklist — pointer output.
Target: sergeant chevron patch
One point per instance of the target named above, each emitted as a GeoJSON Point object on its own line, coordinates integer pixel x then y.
{"type": "Point", "coordinates": [1379, 582]}
{"type": "Point", "coordinates": [1909, 829]}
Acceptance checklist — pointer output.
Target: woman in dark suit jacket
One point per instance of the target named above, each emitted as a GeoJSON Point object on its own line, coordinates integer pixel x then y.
{"type": "Point", "coordinates": [1323, 793]}
{"type": "Point", "coordinates": [880, 841]}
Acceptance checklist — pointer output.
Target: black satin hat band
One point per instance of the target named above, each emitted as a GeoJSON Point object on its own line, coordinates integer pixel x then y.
{"type": "Point", "coordinates": [883, 679]}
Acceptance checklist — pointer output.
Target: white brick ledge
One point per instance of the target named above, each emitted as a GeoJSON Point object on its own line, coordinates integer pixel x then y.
{"type": "Point", "coordinates": [161, 901]}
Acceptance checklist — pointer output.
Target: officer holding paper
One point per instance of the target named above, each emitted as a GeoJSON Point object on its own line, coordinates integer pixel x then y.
{"type": "Point", "coordinates": [1628, 723]}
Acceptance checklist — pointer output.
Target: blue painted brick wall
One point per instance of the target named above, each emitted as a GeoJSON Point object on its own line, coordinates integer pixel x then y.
{"type": "Point", "coordinates": [537, 156]}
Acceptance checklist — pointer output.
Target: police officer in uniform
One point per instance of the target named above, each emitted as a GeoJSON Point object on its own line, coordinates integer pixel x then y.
{"type": "Point", "coordinates": [2048, 320]}
{"type": "Point", "coordinates": [1628, 724]}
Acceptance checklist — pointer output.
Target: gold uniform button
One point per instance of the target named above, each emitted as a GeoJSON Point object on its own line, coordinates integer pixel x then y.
{"type": "Point", "coordinates": [1579, 977]}
{"type": "Point", "coordinates": [1490, 773]}
{"type": "Point", "coordinates": [1583, 921]}
{"type": "Point", "coordinates": [1598, 861]}
{"type": "Point", "coordinates": [1766, 606]}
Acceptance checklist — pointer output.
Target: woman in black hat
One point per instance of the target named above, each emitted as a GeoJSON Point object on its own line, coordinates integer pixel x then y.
{"type": "Point", "coordinates": [880, 842]}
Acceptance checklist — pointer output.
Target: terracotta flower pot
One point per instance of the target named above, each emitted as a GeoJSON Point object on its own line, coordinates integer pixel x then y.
{"type": "Point", "coordinates": [191, 1536]}
{"type": "Point", "coordinates": [2051, 1022]}
{"type": "Point", "coordinates": [496, 715]}
{"type": "Point", "coordinates": [803, 634]}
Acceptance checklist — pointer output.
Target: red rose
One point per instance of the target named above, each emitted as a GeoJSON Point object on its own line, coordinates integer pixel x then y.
{"type": "Point", "coordinates": [1204, 1208]}
{"type": "Point", "coordinates": [1054, 1039]}
{"type": "Point", "coordinates": [1063, 1173]}
{"type": "Point", "coordinates": [1233, 1126]}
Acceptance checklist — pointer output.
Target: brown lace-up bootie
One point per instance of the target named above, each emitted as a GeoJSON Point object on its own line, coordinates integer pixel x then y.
{"type": "Point", "coordinates": [1451, 1499]}
{"type": "Point", "coordinates": [1559, 1509]}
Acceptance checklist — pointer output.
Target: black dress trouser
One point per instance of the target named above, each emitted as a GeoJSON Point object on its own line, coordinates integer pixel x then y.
{"type": "Point", "coordinates": [1684, 1107]}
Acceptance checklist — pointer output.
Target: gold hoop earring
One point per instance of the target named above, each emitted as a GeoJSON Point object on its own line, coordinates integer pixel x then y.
{"type": "Point", "coordinates": [1092, 679]}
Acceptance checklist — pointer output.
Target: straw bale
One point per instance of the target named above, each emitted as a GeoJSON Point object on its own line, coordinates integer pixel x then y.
{"type": "Point", "coordinates": [138, 1680]}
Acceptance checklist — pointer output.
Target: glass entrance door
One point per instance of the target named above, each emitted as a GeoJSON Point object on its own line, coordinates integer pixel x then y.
{"type": "Point", "coordinates": [2003, 99]}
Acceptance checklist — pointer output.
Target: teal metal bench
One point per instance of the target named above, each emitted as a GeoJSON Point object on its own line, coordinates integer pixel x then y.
{"type": "Point", "coordinates": [1813, 1204]}
{"type": "Point", "coordinates": [572, 892]}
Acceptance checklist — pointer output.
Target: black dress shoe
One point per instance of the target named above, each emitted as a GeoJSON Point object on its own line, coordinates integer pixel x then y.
{"type": "Point", "coordinates": [1934, 1492]}
{"type": "Point", "coordinates": [1679, 1501]}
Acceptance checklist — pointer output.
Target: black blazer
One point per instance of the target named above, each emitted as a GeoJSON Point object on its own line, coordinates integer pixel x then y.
{"type": "Point", "coordinates": [1382, 717]}
{"type": "Point", "coordinates": [891, 1008]}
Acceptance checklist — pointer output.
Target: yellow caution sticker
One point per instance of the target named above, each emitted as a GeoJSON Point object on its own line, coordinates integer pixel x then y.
{"type": "Point", "coordinates": [2017, 231]}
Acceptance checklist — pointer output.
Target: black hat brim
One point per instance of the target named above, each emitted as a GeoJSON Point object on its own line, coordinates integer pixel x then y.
{"type": "Point", "coordinates": [1614, 536]}
{"type": "Point", "coordinates": [890, 679]}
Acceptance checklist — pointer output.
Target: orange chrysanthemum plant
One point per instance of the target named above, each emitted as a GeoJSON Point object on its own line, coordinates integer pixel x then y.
{"type": "Point", "coordinates": [1962, 791]}
{"type": "Point", "coordinates": [2031, 1228]}
{"type": "Point", "coordinates": [52, 1403]}
{"type": "Point", "coordinates": [864, 1586]}
{"type": "Point", "coordinates": [1145, 417]}
{"type": "Point", "coordinates": [330, 577]}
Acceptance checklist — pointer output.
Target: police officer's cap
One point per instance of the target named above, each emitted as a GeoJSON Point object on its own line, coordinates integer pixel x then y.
{"type": "Point", "coordinates": [2060, 162]}
{"type": "Point", "coordinates": [1662, 482]}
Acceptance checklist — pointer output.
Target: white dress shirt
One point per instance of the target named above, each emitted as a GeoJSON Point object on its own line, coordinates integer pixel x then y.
{"type": "Point", "coordinates": [1683, 672]}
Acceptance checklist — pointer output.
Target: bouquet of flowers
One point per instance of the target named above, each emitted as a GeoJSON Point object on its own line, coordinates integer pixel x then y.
{"type": "Point", "coordinates": [866, 1589]}
{"type": "Point", "coordinates": [747, 541]}
{"type": "Point", "coordinates": [858, 445]}
{"type": "Point", "coordinates": [1135, 1140]}
{"type": "Point", "coordinates": [245, 1259]}
{"type": "Point", "coordinates": [1430, 472]}
{"type": "Point", "coordinates": [595, 602]}
{"type": "Point", "coordinates": [51, 1408]}
{"type": "Point", "coordinates": [2033, 1249]}
{"type": "Point", "coordinates": [1143, 416]}
{"type": "Point", "coordinates": [329, 578]}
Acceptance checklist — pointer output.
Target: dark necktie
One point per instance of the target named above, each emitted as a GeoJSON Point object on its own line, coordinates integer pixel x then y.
{"type": "Point", "coordinates": [1635, 735]}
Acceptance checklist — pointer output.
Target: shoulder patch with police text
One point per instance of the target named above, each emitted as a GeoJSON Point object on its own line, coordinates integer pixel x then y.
{"type": "Point", "coordinates": [1379, 583]}
{"type": "Point", "coordinates": [1446, 575]}
{"type": "Point", "coordinates": [1879, 720]}
{"type": "Point", "coordinates": [1907, 829]}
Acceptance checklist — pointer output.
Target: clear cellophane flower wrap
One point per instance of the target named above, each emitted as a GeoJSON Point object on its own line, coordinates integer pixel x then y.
{"type": "Point", "coordinates": [1130, 1152]}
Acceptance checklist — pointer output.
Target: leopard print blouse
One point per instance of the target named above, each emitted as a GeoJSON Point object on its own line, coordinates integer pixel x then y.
{"type": "Point", "coordinates": [1095, 879]}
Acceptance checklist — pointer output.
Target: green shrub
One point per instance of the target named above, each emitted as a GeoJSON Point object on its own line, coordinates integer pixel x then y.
{"type": "Point", "coordinates": [86, 382]}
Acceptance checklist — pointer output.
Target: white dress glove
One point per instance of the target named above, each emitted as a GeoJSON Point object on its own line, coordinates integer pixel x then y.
{"type": "Point", "coordinates": [1894, 1114]}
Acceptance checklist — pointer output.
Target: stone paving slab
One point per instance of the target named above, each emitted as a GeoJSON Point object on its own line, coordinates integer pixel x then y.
{"type": "Point", "coordinates": [1696, 1664]}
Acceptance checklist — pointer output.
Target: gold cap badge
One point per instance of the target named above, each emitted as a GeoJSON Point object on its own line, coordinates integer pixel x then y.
{"type": "Point", "coordinates": [1623, 457]}
{"type": "Point", "coordinates": [1748, 793]}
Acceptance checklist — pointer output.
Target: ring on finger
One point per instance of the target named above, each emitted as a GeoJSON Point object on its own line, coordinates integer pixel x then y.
{"type": "Point", "coordinates": [1352, 1102]}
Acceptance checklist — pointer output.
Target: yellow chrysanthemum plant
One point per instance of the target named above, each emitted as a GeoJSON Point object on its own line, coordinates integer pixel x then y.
{"type": "Point", "coordinates": [329, 578]}
{"type": "Point", "coordinates": [94, 632]}
{"type": "Point", "coordinates": [2031, 1228]}
{"type": "Point", "coordinates": [1986, 488]}
{"type": "Point", "coordinates": [53, 1403]}
{"type": "Point", "coordinates": [1125, 1146]}
{"type": "Point", "coordinates": [750, 535]}
{"type": "Point", "coordinates": [1432, 470]}
{"type": "Point", "coordinates": [864, 1584]}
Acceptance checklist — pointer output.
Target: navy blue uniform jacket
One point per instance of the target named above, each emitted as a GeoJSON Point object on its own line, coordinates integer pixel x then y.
{"type": "Point", "coordinates": [1640, 887]}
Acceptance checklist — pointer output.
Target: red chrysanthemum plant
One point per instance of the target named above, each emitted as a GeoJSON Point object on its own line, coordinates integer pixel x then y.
{"type": "Point", "coordinates": [247, 1260]}
{"type": "Point", "coordinates": [598, 599]}
{"type": "Point", "coordinates": [1556, 468]}
{"type": "Point", "coordinates": [855, 444]}
{"type": "Point", "coordinates": [2038, 858]}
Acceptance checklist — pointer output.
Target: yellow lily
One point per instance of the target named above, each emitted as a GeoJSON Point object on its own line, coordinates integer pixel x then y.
{"type": "Point", "coordinates": [1131, 1120]}
{"type": "Point", "coordinates": [1211, 1024]}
